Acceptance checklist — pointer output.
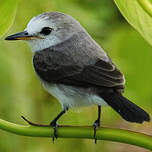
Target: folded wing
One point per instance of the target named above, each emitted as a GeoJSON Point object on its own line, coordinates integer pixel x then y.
{"type": "Point", "coordinates": [56, 67]}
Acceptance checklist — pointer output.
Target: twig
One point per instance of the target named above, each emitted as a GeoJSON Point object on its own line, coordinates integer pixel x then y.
{"type": "Point", "coordinates": [111, 134]}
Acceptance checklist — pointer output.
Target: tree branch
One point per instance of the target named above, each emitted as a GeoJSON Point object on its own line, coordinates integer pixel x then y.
{"type": "Point", "coordinates": [111, 134]}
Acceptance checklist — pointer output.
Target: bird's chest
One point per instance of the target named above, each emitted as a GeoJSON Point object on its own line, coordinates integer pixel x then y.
{"type": "Point", "coordinates": [73, 97]}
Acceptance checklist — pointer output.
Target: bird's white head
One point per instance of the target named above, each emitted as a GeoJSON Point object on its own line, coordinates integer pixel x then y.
{"type": "Point", "coordinates": [48, 29]}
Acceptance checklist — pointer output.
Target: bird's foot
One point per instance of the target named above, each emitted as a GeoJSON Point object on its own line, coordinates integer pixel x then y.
{"type": "Point", "coordinates": [55, 126]}
{"type": "Point", "coordinates": [96, 125]}
{"type": "Point", "coordinates": [52, 124]}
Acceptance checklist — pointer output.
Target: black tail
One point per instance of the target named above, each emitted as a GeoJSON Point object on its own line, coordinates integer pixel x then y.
{"type": "Point", "coordinates": [128, 110]}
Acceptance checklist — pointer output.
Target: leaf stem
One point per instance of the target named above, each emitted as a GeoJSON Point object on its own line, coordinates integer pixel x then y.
{"type": "Point", "coordinates": [111, 134]}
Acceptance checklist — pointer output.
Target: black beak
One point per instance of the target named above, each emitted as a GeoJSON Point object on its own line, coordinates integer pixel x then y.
{"type": "Point", "coordinates": [20, 36]}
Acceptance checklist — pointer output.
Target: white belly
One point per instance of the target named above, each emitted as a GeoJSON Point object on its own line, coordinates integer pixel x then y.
{"type": "Point", "coordinates": [73, 97]}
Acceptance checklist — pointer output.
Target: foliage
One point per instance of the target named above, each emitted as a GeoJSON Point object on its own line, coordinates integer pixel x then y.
{"type": "Point", "coordinates": [138, 15]}
{"type": "Point", "coordinates": [8, 10]}
{"type": "Point", "coordinates": [147, 6]}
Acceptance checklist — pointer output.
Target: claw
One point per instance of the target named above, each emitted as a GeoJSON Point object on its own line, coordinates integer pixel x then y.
{"type": "Point", "coordinates": [96, 125]}
{"type": "Point", "coordinates": [55, 126]}
{"type": "Point", "coordinates": [52, 124]}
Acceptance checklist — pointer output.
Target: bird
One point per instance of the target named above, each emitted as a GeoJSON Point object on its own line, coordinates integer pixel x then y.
{"type": "Point", "coordinates": [76, 70]}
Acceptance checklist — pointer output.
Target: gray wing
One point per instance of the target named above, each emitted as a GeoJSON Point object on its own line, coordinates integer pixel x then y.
{"type": "Point", "coordinates": [57, 67]}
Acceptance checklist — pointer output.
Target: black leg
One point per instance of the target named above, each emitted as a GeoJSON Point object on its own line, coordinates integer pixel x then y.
{"type": "Point", "coordinates": [97, 123]}
{"type": "Point", "coordinates": [54, 122]}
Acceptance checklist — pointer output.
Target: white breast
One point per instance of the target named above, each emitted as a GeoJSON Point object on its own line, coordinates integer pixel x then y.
{"type": "Point", "coordinates": [73, 97]}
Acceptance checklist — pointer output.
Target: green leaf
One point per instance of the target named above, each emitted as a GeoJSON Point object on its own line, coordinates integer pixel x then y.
{"type": "Point", "coordinates": [8, 11]}
{"type": "Point", "coordinates": [138, 14]}
{"type": "Point", "coordinates": [146, 5]}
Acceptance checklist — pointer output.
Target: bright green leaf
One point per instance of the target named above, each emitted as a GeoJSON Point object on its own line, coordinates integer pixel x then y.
{"type": "Point", "coordinates": [7, 13]}
{"type": "Point", "coordinates": [146, 5]}
{"type": "Point", "coordinates": [137, 16]}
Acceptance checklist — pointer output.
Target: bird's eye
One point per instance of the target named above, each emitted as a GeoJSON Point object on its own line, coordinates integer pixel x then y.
{"type": "Point", "coordinates": [46, 30]}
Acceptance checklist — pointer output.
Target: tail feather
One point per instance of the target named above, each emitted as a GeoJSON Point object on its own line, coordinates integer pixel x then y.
{"type": "Point", "coordinates": [128, 110]}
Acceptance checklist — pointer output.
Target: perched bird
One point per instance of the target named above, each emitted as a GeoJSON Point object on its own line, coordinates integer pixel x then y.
{"type": "Point", "coordinates": [74, 68]}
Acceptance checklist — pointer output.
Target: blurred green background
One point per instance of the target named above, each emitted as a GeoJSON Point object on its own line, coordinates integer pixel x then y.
{"type": "Point", "coordinates": [22, 94]}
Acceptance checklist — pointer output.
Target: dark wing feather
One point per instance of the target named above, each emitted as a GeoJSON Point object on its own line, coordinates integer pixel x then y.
{"type": "Point", "coordinates": [56, 67]}
{"type": "Point", "coordinates": [93, 75]}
